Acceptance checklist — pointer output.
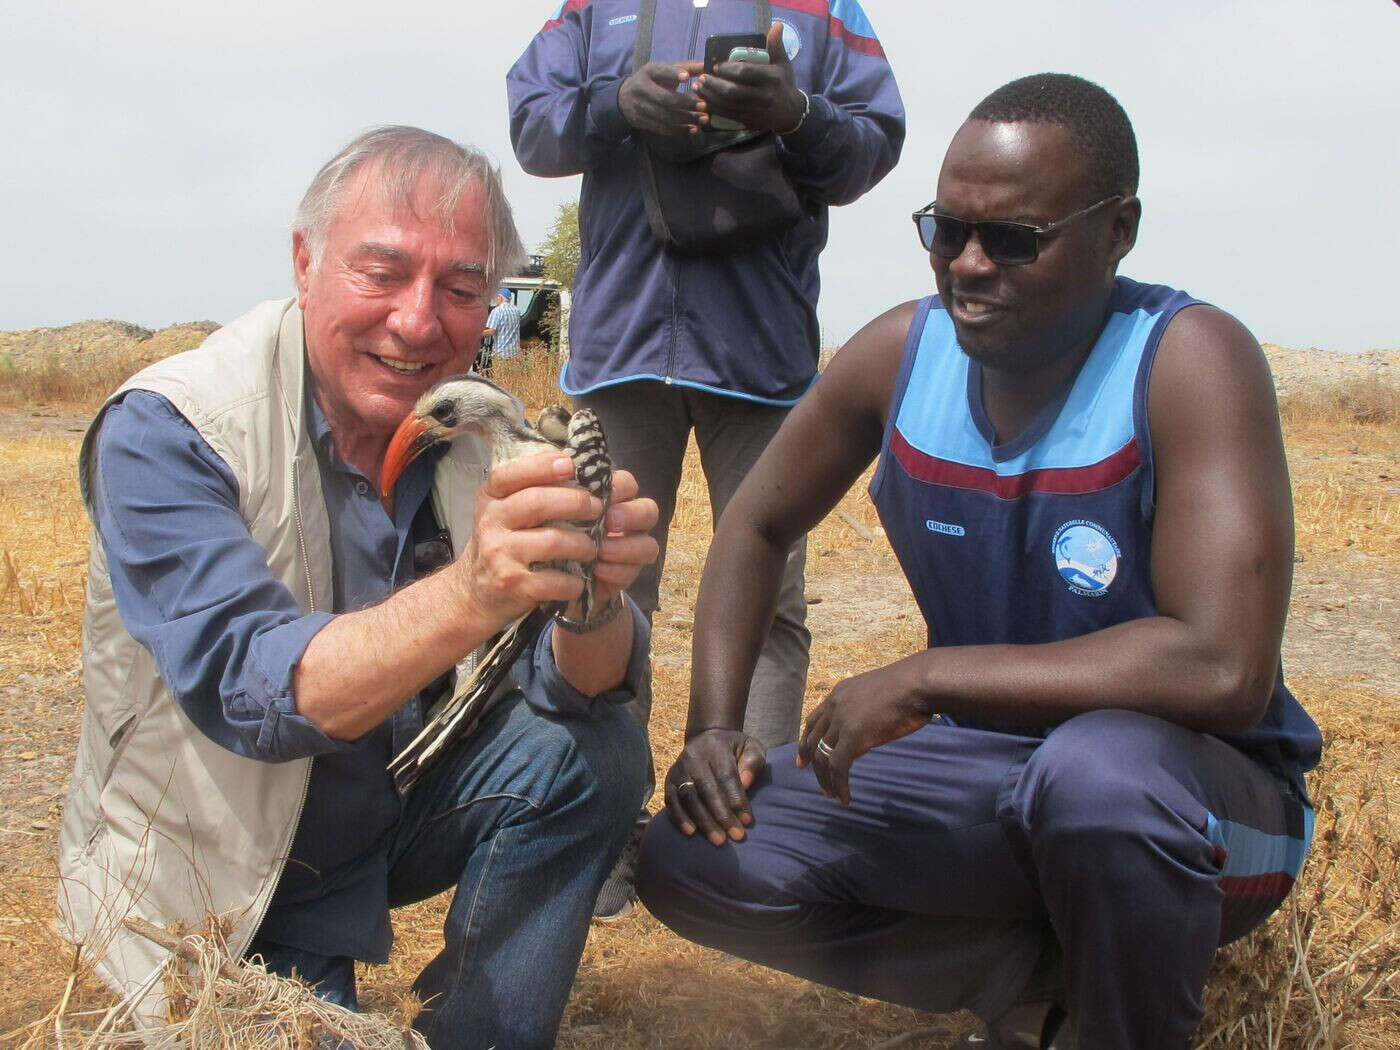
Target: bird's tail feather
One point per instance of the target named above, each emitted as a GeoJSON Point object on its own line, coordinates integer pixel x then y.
{"type": "Point", "coordinates": [473, 698]}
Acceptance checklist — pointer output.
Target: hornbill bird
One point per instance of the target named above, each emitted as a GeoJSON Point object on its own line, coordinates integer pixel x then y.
{"type": "Point", "coordinates": [457, 405]}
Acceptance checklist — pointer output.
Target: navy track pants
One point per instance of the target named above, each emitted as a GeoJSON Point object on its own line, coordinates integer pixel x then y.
{"type": "Point", "coordinates": [1138, 845]}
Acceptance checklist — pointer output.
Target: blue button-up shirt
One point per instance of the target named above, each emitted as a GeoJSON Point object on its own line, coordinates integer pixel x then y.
{"type": "Point", "coordinates": [193, 586]}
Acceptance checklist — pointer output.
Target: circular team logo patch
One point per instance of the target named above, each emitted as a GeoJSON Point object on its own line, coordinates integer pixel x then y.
{"type": "Point", "coordinates": [1087, 557]}
{"type": "Point", "coordinates": [792, 43]}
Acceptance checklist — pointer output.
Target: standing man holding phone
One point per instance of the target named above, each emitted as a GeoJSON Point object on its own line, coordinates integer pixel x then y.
{"type": "Point", "coordinates": [722, 342]}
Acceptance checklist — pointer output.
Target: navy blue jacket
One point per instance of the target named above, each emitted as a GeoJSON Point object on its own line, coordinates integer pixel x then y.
{"type": "Point", "coordinates": [743, 325]}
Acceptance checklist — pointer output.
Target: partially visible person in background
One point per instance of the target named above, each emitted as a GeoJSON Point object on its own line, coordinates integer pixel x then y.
{"type": "Point", "coordinates": [720, 340]}
{"type": "Point", "coordinates": [503, 327]}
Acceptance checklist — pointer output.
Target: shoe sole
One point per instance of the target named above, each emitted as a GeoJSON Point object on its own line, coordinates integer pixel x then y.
{"type": "Point", "coordinates": [617, 916]}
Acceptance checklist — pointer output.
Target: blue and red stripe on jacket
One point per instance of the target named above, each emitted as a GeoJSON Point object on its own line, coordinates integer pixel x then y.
{"type": "Point", "coordinates": [742, 325]}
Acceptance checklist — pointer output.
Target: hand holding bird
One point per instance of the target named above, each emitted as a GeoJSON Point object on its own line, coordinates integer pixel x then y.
{"type": "Point", "coordinates": [513, 561]}
{"type": "Point", "coordinates": [531, 538]}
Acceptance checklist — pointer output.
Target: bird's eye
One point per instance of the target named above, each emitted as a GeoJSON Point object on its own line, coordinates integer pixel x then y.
{"type": "Point", "coordinates": [445, 413]}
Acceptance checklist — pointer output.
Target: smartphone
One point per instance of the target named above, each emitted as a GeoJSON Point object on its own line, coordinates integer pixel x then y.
{"type": "Point", "coordinates": [719, 48]}
{"type": "Point", "coordinates": [733, 47]}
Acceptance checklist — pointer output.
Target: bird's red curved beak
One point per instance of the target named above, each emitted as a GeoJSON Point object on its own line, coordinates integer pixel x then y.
{"type": "Point", "coordinates": [409, 440]}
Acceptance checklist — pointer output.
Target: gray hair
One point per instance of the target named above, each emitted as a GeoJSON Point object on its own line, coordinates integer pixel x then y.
{"type": "Point", "coordinates": [402, 156]}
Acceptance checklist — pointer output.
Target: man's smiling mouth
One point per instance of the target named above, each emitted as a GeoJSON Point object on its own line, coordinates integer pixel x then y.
{"type": "Point", "coordinates": [407, 367]}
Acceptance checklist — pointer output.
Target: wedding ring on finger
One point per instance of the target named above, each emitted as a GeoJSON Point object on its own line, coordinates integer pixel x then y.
{"type": "Point", "coordinates": [825, 748]}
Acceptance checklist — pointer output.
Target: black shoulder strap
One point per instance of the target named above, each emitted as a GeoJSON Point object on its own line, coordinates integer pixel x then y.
{"type": "Point", "coordinates": [646, 21]}
{"type": "Point", "coordinates": [641, 50]}
{"type": "Point", "coordinates": [762, 16]}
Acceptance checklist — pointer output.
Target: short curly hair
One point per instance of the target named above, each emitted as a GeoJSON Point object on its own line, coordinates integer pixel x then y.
{"type": "Point", "coordinates": [1092, 116]}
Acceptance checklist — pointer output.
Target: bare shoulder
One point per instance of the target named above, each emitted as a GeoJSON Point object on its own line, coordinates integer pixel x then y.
{"type": "Point", "coordinates": [836, 428]}
{"type": "Point", "coordinates": [884, 335]}
{"type": "Point", "coordinates": [1210, 371]}
{"type": "Point", "coordinates": [862, 374]}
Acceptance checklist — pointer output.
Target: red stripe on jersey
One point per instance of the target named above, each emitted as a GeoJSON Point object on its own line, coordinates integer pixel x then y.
{"type": "Point", "coordinates": [1061, 480]}
{"type": "Point", "coordinates": [866, 45]}
{"type": "Point", "coordinates": [1271, 886]}
{"type": "Point", "coordinates": [570, 5]}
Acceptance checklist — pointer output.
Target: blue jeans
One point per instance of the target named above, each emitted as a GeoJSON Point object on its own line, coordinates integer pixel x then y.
{"type": "Point", "coordinates": [525, 823]}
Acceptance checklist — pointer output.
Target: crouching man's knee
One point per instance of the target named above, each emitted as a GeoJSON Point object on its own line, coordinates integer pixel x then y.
{"type": "Point", "coordinates": [669, 875]}
{"type": "Point", "coordinates": [603, 779]}
{"type": "Point", "coordinates": [1110, 782]}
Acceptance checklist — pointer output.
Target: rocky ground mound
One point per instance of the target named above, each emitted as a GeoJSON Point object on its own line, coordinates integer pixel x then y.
{"type": "Point", "coordinates": [90, 344]}
{"type": "Point", "coordinates": [97, 343]}
{"type": "Point", "coordinates": [1294, 367]}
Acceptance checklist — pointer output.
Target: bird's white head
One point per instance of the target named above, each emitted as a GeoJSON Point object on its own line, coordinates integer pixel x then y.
{"type": "Point", "coordinates": [449, 408]}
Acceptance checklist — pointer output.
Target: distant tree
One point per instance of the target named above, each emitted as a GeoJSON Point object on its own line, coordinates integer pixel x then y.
{"type": "Point", "coordinates": [560, 250]}
{"type": "Point", "coordinates": [559, 254]}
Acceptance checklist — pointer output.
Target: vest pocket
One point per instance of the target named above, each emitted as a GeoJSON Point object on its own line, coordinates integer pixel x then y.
{"type": "Point", "coordinates": [99, 828]}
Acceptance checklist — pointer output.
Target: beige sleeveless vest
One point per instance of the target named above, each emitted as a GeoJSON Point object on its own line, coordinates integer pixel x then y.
{"type": "Point", "coordinates": [161, 822]}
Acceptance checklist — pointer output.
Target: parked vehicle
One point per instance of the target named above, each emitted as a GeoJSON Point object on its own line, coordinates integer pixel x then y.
{"type": "Point", "coordinates": [543, 306]}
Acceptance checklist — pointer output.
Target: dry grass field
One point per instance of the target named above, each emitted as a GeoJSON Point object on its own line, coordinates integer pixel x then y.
{"type": "Point", "coordinates": [1324, 972]}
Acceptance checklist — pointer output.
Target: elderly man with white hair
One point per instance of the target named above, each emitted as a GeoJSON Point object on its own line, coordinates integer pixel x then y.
{"type": "Point", "coordinates": [263, 633]}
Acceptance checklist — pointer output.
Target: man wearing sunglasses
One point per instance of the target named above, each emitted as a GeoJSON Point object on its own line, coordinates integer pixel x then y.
{"type": "Point", "coordinates": [1093, 775]}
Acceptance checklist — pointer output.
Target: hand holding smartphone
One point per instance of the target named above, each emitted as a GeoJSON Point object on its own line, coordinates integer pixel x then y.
{"type": "Point", "coordinates": [733, 47]}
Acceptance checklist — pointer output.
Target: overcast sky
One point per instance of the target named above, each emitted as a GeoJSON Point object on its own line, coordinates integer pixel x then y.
{"type": "Point", "coordinates": [153, 152]}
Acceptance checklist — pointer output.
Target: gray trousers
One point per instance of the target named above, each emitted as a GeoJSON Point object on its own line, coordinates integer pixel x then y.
{"type": "Point", "coordinates": [647, 425]}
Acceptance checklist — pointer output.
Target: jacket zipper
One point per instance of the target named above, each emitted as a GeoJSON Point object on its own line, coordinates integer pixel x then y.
{"type": "Point", "coordinates": [695, 29]}
{"type": "Point", "coordinates": [675, 269]}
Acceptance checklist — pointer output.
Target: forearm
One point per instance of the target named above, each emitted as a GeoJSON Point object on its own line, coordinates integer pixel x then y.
{"type": "Point", "coordinates": [837, 156]}
{"type": "Point", "coordinates": [194, 588]}
{"type": "Point", "coordinates": [596, 662]}
{"type": "Point", "coordinates": [737, 600]}
{"type": "Point", "coordinates": [1158, 665]}
{"type": "Point", "coordinates": [824, 445]}
{"type": "Point", "coordinates": [364, 665]}
{"type": "Point", "coordinates": [562, 119]}
{"type": "Point", "coordinates": [854, 130]}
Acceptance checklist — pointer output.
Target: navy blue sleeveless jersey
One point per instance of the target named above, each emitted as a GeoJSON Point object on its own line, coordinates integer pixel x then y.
{"type": "Point", "coordinates": [1048, 536]}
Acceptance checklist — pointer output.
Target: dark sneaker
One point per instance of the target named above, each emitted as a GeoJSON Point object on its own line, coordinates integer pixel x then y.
{"type": "Point", "coordinates": [984, 1039]}
{"type": "Point", "coordinates": [1054, 1035]}
{"type": "Point", "coordinates": [619, 892]}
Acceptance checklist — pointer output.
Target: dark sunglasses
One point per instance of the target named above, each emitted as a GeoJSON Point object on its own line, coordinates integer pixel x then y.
{"type": "Point", "coordinates": [1005, 243]}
